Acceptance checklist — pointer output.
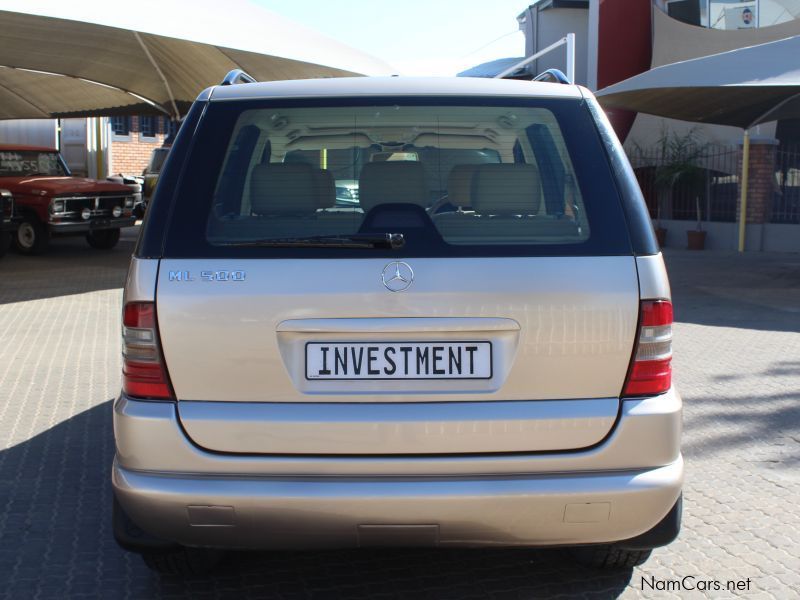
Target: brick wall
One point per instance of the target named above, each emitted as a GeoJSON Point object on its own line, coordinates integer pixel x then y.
{"type": "Point", "coordinates": [130, 155]}
{"type": "Point", "coordinates": [761, 181]}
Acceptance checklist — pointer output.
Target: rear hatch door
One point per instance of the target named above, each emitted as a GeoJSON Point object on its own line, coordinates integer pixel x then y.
{"type": "Point", "coordinates": [551, 340]}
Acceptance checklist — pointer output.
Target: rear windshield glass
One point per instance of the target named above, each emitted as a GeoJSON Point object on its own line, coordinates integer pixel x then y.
{"type": "Point", "coordinates": [450, 179]}
{"type": "Point", "coordinates": [25, 163]}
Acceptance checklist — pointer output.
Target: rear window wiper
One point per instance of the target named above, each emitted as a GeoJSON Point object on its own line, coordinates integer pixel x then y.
{"type": "Point", "coordinates": [356, 240]}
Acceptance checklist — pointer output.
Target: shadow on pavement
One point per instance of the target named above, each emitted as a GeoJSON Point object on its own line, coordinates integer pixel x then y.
{"type": "Point", "coordinates": [69, 267]}
{"type": "Point", "coordinates": [758, 291]}
{"type": "Point", "coordinates": [767, 423]}
{"type": "Point", "coordinates": [55, 524]}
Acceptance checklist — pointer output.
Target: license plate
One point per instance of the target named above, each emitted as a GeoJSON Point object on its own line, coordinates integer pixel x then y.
{"type": "Point", "coordinates": [399, 360]}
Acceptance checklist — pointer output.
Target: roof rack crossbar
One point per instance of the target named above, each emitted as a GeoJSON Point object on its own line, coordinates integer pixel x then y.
{"type": "Point", "coordinates": [237, 76]}
{"type": "Point", "coordinates": [552, 76]}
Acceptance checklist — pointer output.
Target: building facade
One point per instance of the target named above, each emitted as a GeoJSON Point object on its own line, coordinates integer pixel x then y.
{"type": "Point", "coordinates": [126, 143]}
{"type": "Point", "coordinates": [133, 140]}
{"type": "Point", "coordinates": [618, 39]}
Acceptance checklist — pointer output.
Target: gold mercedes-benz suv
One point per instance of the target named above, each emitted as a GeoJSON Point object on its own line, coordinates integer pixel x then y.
{"type": "Point", "coordinates": [474, 351]}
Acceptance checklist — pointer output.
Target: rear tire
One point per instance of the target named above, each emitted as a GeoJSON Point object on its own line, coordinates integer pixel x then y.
{"type": "Point", "coordinates": [609, 557]}
{"type": "Point", "coordinates": [183, 561]}
{"type": "Point", "coordinates": [32, 236]}
{"type": "Point", "coordinates": [104, 239]}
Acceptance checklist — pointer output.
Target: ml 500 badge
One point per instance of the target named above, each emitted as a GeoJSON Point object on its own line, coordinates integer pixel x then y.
{"type": "Point", "coordinates": [208, 276]}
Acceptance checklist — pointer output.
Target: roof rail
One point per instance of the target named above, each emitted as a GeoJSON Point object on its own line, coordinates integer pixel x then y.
{"type": "Point", "coordinates": [552, 76]}
{"type": "Point", "coordinates": [237, 76]}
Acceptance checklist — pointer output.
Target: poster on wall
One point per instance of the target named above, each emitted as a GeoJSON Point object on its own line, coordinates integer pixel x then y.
{"type": "Point", "coordinates": [741, 17]}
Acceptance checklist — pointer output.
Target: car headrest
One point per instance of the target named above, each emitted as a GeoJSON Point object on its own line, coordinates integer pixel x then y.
{"type": "Point", "coordinates": [326, 188]}
{"type": "Point", "coordinates": [392, 182]}
{"type": "Point", "coordinates": [506, 189]}
{"type": "Point", "coordinates": [283, 188]}
{"type": "Point", "coordinates": [459, 185]}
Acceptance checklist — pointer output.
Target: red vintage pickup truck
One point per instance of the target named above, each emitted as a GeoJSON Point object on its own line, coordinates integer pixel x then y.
{"type": "Point", "coordinates": [49, 201]}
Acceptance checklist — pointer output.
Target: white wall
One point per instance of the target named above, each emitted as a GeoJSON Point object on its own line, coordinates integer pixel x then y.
{"type": "Point", "coordinates": [759, 237]}
{"type": "Point", "coordinates": [30, 132]}
{"type": "Point", "coordinates": [545, 27]}
{"type": "Point", "coordinates": [73, 145]}
{"type": "Point", "coordinates": [647, 129]}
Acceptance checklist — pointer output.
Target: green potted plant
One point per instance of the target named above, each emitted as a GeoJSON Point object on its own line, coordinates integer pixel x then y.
{"type": "Point", "coordinates": [697, 237]}
{"type": "Point", "coordinates": [661, 232]}
{"type": "Point", "coordinates": [679, 157]}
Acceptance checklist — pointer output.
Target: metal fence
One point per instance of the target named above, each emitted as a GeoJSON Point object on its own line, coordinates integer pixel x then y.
{"type": "Point", "coordinates": [713, 193]}
{"type": "Point", "coordinates": [786, 193]}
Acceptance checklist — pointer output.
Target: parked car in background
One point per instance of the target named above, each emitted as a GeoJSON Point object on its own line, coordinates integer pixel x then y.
{"type": "Point", "coordinates": [136, 184]}
{"type": "Point", "coordinates": [7, 220]}
{"type": "Point", "coordinates": [475, 351]}
{"type": "Point", "coordinates": [150, 174]}
{"type": "Point", "coordinates": [49, 201]}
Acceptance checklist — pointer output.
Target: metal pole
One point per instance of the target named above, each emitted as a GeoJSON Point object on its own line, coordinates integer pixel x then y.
{"type": "Point", "coordinates": [531, 58]}
{"type": "Point", "coordinates": [98, 148]}
{"type": "Point", "coordinates": [571, 57]}
{"type": "Point", "coordinates": [745, 179]}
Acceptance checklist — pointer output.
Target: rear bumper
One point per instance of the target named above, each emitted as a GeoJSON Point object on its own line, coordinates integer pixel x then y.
{"type": "Point", "coordinates": [87, 226]}
{"type": "Point", "coordinates": [181, 493]}
{"type": "Point", "coordinates": [331, 512]}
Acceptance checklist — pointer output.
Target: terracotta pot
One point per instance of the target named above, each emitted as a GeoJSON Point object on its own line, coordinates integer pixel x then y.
{"type": "Point", "coordinates": [697, 239]}
{"type": "Point", "coordinates": [661, 236]}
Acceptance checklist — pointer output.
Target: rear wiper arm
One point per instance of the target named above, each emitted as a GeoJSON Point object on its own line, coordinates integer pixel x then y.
{"type": "Point", "coordinates": [356, 240]}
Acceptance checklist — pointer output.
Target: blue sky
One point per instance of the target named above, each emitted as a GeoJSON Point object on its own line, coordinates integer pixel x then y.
{"type": "Point", "coordinates": [425, 37]}
{"type": "Point", "coordinates": [416, 37]}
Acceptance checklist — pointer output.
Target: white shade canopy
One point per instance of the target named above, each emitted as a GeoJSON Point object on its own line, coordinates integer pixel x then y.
{"type": "Point", "coordinates": [138, 71]}
{"type": "Point", "coordinates": [742, 87]}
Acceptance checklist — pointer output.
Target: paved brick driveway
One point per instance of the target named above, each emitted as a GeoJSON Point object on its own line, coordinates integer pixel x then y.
{"type": "Point", "coordinates": [737, 364]}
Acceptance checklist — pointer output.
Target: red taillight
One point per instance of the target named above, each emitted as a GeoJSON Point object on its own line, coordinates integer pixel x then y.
{"type": "Point", "coordinates": [651, 372]}
{"type": "Point", "coordinates": [141, 315]}
{"type": "Point", "coordinates": [656, 313]}
{"type": "Point", "coordinates": [143, 372]}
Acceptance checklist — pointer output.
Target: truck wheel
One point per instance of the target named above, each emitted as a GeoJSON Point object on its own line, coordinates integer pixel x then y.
{"type": "Point", "coordinates": [105, 239]}
{"type": "Point", "coordinates": [5, 242]}
{"type": "Point", "coordinates": [32, 236]}
{"type": "Point", "coordinates": [183, 561]}
{"type": "Point", "coordinates": [609, 557]}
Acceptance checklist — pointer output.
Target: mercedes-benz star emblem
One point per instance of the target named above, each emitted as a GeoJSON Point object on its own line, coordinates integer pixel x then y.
{"type": "Point", "coordinates": [397, 276]}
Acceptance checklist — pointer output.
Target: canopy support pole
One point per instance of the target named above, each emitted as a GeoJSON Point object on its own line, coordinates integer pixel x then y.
{"type": "Point", "coordinates": [98, 148]}
{"type": "Point", "coordinates": [745, 183]}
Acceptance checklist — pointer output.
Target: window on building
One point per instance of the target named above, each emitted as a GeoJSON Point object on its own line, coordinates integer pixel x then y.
{"type": "Point", "coordinates": [734, 15]}
{"type": "Point", "coordinates": [121, 126]}
{"type": "Point", "coordinates": [170, 127]}
{"type": "Point", "coordinates": [148, 126]}
{"type": "Point", "coordinates": [688, 11]}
